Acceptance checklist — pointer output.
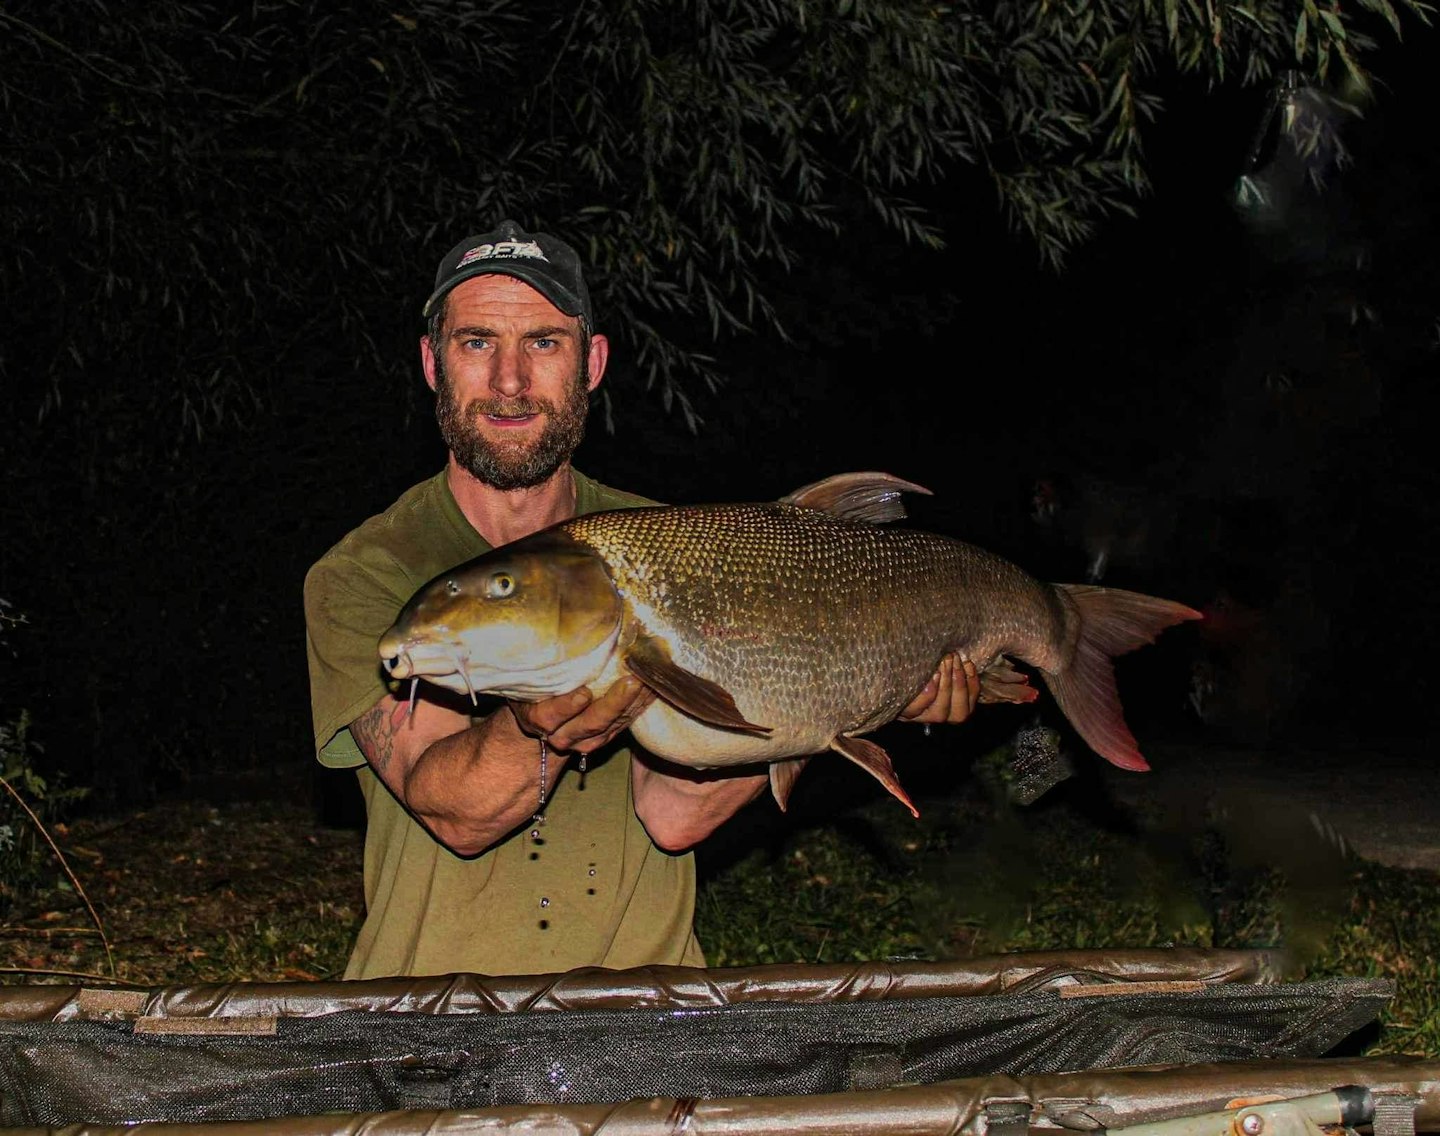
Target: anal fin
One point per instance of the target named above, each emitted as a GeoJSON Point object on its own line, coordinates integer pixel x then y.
{"type": "Point", "coordinates": [650, 662]}
{"type": "Point", "coordinates": [783, 775]}
{"type": "Point", "coordinates": [876, 762]}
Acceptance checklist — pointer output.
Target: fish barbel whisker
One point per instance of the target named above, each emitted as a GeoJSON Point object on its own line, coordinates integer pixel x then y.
{"type": "Point", "coordinates": [465, 676]}
{"type": "Point", "coordinates": [405, 711]}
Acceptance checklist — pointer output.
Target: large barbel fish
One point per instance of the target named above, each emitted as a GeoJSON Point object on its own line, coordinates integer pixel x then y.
{"type": "Point", "coordinates": [771, 631]}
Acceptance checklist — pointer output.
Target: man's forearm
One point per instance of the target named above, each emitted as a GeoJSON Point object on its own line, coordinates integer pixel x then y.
{"type": "Point", "coordinates": [475, 787]}
{"type": "Point", "coordinates": [680, 807]}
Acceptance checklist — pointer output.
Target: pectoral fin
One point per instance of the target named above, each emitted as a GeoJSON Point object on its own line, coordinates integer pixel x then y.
{"type": "Point", "coordinates": [872, 497]}
{"type": "Point", "coordinates": [875, 761]}
{"type": "Point", "coordinates": [650, 662]}
{"type": "Point", "coordinates": [783, 775]}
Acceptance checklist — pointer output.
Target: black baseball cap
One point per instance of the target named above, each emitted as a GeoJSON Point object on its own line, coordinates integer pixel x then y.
{"type": "Point", "coordinates": [546, 263]}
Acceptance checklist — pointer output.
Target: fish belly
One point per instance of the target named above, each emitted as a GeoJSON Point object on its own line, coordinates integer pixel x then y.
{"type": "Point", "coordinates": [675, 736]}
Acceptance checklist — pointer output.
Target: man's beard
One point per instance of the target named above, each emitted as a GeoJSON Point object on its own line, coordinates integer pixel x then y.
{"type": "Point", "coordinates": [511, 465]}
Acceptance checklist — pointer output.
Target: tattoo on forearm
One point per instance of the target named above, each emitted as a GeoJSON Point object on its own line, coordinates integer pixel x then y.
{"type": "Point", "coordinates": [375, 737]}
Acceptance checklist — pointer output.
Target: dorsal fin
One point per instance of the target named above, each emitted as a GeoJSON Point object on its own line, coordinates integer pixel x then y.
{"type": "Point", "coordinates": [872, 497]}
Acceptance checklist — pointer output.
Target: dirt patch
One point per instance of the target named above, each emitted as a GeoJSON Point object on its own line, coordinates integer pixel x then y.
{"type": "Point", "coordinates": [186, 892]}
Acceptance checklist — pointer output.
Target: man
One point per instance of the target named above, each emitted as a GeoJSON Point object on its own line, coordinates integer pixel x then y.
{"type": "Point", "coordinates": [458, 878]}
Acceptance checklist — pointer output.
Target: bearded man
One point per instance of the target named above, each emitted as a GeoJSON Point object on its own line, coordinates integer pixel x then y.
{"type": "Point", "coordinates": [460, 877]}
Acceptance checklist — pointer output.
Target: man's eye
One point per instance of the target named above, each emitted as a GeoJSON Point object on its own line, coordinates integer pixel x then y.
{"type": "Point", "coordinates": [476, 344]}
{"type": "Point", "coordinates": [545, 344]}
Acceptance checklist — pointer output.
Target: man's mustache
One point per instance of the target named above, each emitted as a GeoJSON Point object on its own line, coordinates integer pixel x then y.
{"type": "Point", "coordinates": [508, 407]}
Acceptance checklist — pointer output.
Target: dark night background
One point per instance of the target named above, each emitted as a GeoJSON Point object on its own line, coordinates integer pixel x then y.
{"type": "Point", "coordinates": [1250, 405]}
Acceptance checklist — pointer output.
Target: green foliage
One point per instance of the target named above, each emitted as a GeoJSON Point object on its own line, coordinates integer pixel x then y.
{"type": "Point", "coordinates": [26, 859]}
{"type": "Point", "coordinates": [297, 166]}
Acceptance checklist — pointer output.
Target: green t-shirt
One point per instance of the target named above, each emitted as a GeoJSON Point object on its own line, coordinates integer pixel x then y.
{"type": "Point", "coordinates": [594, 890]}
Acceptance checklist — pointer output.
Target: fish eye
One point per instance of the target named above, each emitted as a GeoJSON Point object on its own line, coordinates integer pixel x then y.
{"type": "Point", "coordinates": [500, 585]}
{"type": "Point", "coordinates": [452, 587]}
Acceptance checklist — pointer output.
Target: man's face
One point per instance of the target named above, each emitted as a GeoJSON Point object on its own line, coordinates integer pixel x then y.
{"type": "Point", "coordinates": [512, 382]}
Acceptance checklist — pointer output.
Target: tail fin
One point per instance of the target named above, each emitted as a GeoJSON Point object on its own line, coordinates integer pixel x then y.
{"type": "Point", "coordinates": [1110, 622]}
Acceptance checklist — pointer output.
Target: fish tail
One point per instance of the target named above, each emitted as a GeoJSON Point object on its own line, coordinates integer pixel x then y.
{"type": "Point", "coordinates": [1103, 623]}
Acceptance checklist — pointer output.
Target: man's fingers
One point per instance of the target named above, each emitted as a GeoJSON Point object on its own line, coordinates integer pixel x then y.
{"type": "Point", "coordinates": [922, 707]}
{"type": "Point", "coordinates": [949, 696]}
{"type": "Point", "coordinates": [972, 686]}
{"type": "Point", "coordinates": [940, 709]}
{"type": "Point", "coordinates": [925, 699]}
{"type": "Point", "coordinates": [600, 721]}
{"type": "Point", "coordinates": [615, 701]}
{"type": "Point", "coordinates": [961, 691]}
{"type": "Point", "coordinates": [549, 714]}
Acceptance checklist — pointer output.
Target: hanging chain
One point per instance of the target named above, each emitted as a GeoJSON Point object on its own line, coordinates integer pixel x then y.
{"type": "Point", "coordinates": [539, 817]}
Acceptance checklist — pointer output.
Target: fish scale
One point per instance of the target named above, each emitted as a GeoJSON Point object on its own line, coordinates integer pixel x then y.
{"type": "Point", "coordinates": [816, 626]}
{"type": "Point", "coordinates": [772, 631]}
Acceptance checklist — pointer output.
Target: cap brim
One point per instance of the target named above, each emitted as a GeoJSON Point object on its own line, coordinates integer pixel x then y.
{"type": "Point", "coordinates": [546, 285]}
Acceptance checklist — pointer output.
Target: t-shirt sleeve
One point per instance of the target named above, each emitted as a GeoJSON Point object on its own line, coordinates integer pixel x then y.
{"type": "Point", "coordinates": [347, 609]}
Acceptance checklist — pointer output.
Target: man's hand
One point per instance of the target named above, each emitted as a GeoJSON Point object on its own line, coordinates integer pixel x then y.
{"type": "Point", "coordinates": [578, 722]}
{"type": "Point", "coordinates": [950, 695]}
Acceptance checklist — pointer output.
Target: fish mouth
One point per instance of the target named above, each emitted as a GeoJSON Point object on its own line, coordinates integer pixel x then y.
{"type": "Point", "coordinates": [398, 665]}
{"type": "Point", "coordinates": [394, 650]}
